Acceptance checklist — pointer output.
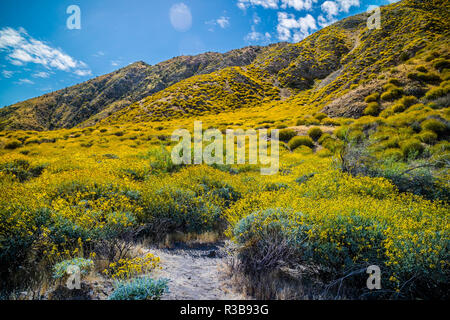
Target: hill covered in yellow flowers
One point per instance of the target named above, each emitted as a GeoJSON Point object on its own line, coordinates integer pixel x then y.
{"type": "Point", "coordinates": [333, 69]}
{"type": "Point", "coordinates": [364, 176]}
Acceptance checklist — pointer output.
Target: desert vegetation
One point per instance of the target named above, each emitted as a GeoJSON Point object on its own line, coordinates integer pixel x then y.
{"type": "Point", "coordinates": [363, 179]}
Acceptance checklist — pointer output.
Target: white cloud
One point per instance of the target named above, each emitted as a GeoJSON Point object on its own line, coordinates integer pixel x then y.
{"type": "Point", "coordinates": [256, 19]}
{"type": "Point", "coordinates": [23, 49]}
{"type": "Point", "coordinates": [223, 22]}
{"type": "Point", "coordinates": [83, 73]}
{"type": "Point", "coordinates": [115, 63]}
{"type": "Point", "coordinates": [330, 8]}
{"type": "Point", "coordinates": [298, 4]}
{"type": "Point", "coordinates": [325, 22]}
{"type": "Point", "coordinates": [24, 81]}
{"type": "Point", "coordinates": [276, 4]}
{"type": "Point", "coordinates": [41, 75]}
{"type": "Point", "coordinates": [291, 29]}
{"type": "Point", "coordinates": [267, 4]}
{"type": "Point", "coordinates": [7, 74]}
{"type": "Point", "coordinates": [345, 5]}
{"type": "Point", "coordinates": [180, 17]}
{"type": "Point", "coordinates": [255, 36]}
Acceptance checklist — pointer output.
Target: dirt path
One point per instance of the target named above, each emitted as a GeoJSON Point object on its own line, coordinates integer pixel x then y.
{"type": "Point", "coordinates": [195, 273]}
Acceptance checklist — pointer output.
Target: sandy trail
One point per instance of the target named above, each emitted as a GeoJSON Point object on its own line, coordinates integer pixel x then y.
{"type": "Point", "coordinates": [195, 273]}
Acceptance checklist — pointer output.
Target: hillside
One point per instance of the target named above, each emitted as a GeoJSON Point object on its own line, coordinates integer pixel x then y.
{"type": "Point", "coordinates": [363, 180]}
{"type": "Point", "coordinates": [104, 95]}
{"type": "Point", "coordinates": [342, 61]}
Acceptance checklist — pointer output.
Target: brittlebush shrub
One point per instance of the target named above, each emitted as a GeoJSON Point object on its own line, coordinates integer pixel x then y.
{"type": "Point", "coordinates": [428, 137]}
{"type": "Point", "coordinates": [287, 134]}
{"type": "Point", "coordinates": [411, 148]}
{"type": "Point", "coordinates": [436, 93]}
{"type": "Point", "coordinates": [315, 133]}
{"type": "Point", "coordinates": [320, 116]}
{"type": "Point", "coordinates": [373, 109]}
{"type": "Point", "coordinates": [398, 108]}
{"type": "Point", "coordinates": [182, 210]}
{"type": "Point", "coordinates": [434, 125]}
{"type": "Point", "coordinates": [392, 94]}
{"type": "Point", "coordinates": [300, 141]}
{"type": "Point", "coordinates": [372, 98]}
{"type": "Point", "coordinates": [14, 144]}
{"type": "Point", "coordinates": [441, 64]}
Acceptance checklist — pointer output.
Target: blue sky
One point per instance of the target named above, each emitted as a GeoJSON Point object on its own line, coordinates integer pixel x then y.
{"type": "Point", "coordinates": [40, 54]}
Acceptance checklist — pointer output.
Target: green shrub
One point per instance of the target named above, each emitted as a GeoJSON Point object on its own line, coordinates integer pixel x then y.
{"type": "Point", "coordinates": [310, 121]}
{"type": "Point", "coordinates": [422, 69]}
{"type": "Point", "coordinates": [442, 147]}
{"type": "Point", "coordinates": [14, 144]}
{"type": "Point", "coordinates": [287, 134]}
{"type": "Point", "coordinates": [395, 82]}
{"type": "Point", "coordinates": [398, 107]}
{"type": "Point", "coordinates": [411, 148]}
{"type": "Point", "coordinates": [428, 137]}
{"type": "Point", "coordinates": [408, 101]}
{"type": "Point", "coordinates": [22, 169]}
{"type": "Point", "coordinates": [60, 270]}
{"type": "Point", "coordinates": [424, 77]}
{"type": "Point", "coordinates": [315, 133]}
{"type": "Point", "coordinates": [143, 288]}
{"type": "Point", "coordinates": [320, 116]}
{"type": "Point", "coordinates": [395, 154]}
{"type": "Point", "coordinates": [372, 98]}
{"type": "Point", "coordinates": [441, 64]}
{"type": "Point", "coordinates": [391, 94]}
{"type": "Point", "coordinates": [373, 109]}
{"type": "Point", "coordinates": [356, 136]}
{"type": "Point", "coordinates": [180, 210]}
{"type": "Point", "coordinates": [434, 125]}
{"type": "Point", "coordinates": [300, 141]}
{"type": "Point", "coordinates": [323, 138]}
{"type": "Point", "coordinates": [342, 132]}
{"type": "Point", "coordinates": [332, 144]}
{"type": "Point", "coordinates": [436, 93]}
{"type": "Point", "coordinates": [273, 227]}
{"type": "Point", "coordinates": [161, 161]}
{"type": "Point", "coordinates": [330, 122]}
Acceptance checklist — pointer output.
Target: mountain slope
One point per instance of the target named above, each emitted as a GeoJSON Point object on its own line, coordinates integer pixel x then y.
{"type": "Point", "coordinates": [104, 95]}
{"type": "Point", "coordinates": [334, 69]}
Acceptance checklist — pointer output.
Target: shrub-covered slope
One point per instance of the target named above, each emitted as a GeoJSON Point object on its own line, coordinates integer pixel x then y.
{"type": "Point", "coordinates": [333, 69]}
{"type": "Point", "coordinates": [104, 95]}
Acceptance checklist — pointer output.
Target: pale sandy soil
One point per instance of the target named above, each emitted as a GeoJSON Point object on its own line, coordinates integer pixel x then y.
{"type": "Point", "coordinates": [195, 273]}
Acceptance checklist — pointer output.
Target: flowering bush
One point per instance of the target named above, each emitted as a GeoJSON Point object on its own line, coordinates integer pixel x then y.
{"type": "Point", "coordinates": [130, 268]}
